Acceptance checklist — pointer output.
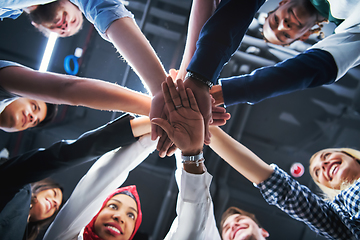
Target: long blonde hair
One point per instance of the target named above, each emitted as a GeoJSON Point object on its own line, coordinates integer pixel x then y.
{"type": "Point", "coordinates": [330, 193]}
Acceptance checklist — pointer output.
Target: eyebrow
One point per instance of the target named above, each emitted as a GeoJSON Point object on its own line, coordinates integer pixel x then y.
{"type": "Point", "coordinates": [121, 203]}
{"type": "Point", "coordinates": [273, 16]}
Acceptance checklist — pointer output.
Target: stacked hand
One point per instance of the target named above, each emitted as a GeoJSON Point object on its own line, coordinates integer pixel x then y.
{"type": "Point", "coordinates": [212, 114]}
{"type": "Point", "coordinates": [185, 124]}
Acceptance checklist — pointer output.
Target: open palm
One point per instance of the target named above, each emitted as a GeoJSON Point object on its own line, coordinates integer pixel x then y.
{"type": "Point", "coordinates": [185, 124]}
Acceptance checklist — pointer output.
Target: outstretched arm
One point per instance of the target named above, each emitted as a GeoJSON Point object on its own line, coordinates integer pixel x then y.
{"type": "Point", "coordinates": [195, 211]}
{"type": "Point", "coordinates": [106, 174]}
{"type": "Point", "coordinates": [239, 157]}
{"type": "Point", "coordinates": [136, 49]}
{"type": "Point", "coordinates": [201, 11]}
{"type": "Point", "coordinates": [72, 90]}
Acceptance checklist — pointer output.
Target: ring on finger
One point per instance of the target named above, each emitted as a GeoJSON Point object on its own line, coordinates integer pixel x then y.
{"type": "Point", "coordinates": [178, 106]}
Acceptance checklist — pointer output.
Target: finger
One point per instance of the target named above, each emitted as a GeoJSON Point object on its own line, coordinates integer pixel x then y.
{"type": "Point", "coordinates": [173, 92]}
{"type": "Point", "coordinates": [192, 100]}
{"type": "Point", "coordinates": [220, 116]}
{"type": "Point", "coordinates": [173, 73]}
{"type": "Point", "coordinates": [212, 99]}
{"type": "Point", "coordinates": [165, 125]}
{"type": "Point", "coordinates": [183, 95]}
{"type": "Point", "coordinates": [160, 145]}
{"type": "Point", "coordinates": [167, 98]}
{"type": "Point", "coordinates": [207, 131]}
{"type": "Point", "coordinates": [171, 150]}
{"type": "Point", "coordinates": [218, 109]}
{"type": "Point", "coordinates": [154, 132]}
{"type": "Point", "coordinates": [218, 122]}
{"type": "Point", "coordinates": [165, 146]}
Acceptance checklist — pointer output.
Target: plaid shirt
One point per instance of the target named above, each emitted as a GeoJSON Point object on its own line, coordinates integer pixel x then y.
{"type": "Point", "coordinates": [337, 219]}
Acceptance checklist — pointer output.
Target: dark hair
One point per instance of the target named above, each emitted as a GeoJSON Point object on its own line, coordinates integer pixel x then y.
{"type": "Point", "coordinates": [33, 228]}
{"type": "Point", "coordinates": [51, 112]}
{"type": "Point", "coordinates": [313, 30]}
{"type": "Point", "coordinates": [44, 12]}
{"type": "Point", "coordinates": [127, 193]}
{"type": "Point", "coordinates": [234, 210]}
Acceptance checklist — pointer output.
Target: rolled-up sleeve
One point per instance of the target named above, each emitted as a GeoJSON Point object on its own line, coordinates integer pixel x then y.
{"type": "Point", "coordinates": [102, 13]}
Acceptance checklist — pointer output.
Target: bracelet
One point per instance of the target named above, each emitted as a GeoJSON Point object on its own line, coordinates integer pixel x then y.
{"type": "Point", "coordinates": [199, 78]}
{"type": "Point", "coordinates": [196, 159]}
{"type": "Point", "coordinates": [197, 162]}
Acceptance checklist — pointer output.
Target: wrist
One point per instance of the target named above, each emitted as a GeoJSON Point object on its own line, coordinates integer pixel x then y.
{"type": "Point", "coordinates": [199, 80]}
{"type": "Point", "coordinates": [193, 169]}
{"type": "Point", "coordinates": [194, 152]}
{"type": "Point", "coordinates": [194, 160]}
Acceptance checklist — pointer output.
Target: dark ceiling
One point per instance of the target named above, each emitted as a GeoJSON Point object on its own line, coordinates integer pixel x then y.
{"type": "Point", "coordinates": [282, 130]}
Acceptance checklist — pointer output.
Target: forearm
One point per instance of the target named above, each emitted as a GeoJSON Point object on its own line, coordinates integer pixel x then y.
{"type": "Point", "coordinates": [137, 51]}
{"type": "Point", "coordinates": [86, 92]}
{"type": "Point", "coordinates": [104, 176]}
{"type": "Point", "coordinates": [201, 11]}
{"type": "Point", "coordinates": [195, 218]}
{"type": "Point", "coordinates": [239, 157]}
{"type": "Point", "coordinates": [35, 165]}
{"type": "Point", "coordinates": [310, 69]}
{"type": "Point", "coordinates": [140, 126]}
{"type": "Point", "coordinates": [221, 35]}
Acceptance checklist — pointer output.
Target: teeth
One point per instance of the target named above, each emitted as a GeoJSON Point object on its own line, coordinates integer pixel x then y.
{"type": "Point", "coordinates": [332, 169]}
{"type": "Point", "coordinates": [114, 229]}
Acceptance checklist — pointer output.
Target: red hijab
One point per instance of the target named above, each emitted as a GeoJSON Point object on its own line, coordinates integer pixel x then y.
{"type": "Point", "coordinates": [89, 233]}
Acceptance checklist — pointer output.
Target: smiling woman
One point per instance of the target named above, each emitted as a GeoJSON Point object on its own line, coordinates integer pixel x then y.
{"type": "Point", "coordinates": [119, 218]}
{"type": "Point", "coordinates": [46, 199]}
{"type": "Point", "coordinates": [335, 169]}
{"type": "Point", "coordinates": [335, 219]}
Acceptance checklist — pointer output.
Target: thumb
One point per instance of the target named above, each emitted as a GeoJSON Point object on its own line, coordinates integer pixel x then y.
{"type": "Point", "coordinates": [165, 125]}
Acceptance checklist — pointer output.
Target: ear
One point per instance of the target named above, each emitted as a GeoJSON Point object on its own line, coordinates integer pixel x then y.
{"type": "Point", "coordinates": [31, 8]}
{"type": "Point", "coordinates": [283, 2]}
{"type": "Point", "coordinates": [305, 36]}
{"type": "Point", "coordinates": [264, 233]}
{"type": "Point", "coordinates": [35, 24]}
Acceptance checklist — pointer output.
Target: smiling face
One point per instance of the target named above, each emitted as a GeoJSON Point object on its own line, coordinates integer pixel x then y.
{"type": "Point", "coordinates": [48, 202]}
{"type": "Point", "coordinates": [291, 21]}
{"type": "Point", "coordinates": [22, 114]}
{"type": "Point", "coordinates": [241, 227]}
{"type": "Point", "coordinates": [117, 219]}
{"type": "Point", "coordinates": [62, 17]}
{"type": "Point", "coordinates": [332, 168]}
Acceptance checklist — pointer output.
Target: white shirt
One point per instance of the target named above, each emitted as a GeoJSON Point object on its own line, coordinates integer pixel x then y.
{"type": "Point", "coordinates": [195, 211]}
{"type": "Point", "coordinates": [195, 218]}
{"type": "Point", "coordinates": [107, 173]}
{"type": "Point", "coordinates": [344, 45]}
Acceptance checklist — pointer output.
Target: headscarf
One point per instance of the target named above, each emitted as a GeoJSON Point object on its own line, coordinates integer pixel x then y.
{"type": "Point", "coordinates": [89, 233]}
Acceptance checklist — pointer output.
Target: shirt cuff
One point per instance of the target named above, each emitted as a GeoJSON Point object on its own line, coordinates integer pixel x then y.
{"type": "Point", "coordinates": [195, 187]}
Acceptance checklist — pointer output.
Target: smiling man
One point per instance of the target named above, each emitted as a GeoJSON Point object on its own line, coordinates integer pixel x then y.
{"type": "Point", "coordinates": [21, 114]}
{"type": "Point", "coordinates": [324, 63]}
{"type": "Point", "coordinates": [62, 17]}
{"type": "Point", "coordinates": [295, 19]}
{"type": "Point", "coordinates": [291, 21]}
{"type": "Point", "coordinates": [239, 224]}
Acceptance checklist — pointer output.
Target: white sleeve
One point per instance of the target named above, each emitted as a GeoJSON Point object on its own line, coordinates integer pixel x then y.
{"type": "Point", "coordinates": [107, 173]}
{"type": "Point", "coordinates": [344, 45]}
{"type": "Point", "coordinates": [195, 212]}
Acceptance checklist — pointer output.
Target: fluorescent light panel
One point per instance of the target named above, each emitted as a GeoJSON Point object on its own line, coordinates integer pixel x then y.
{"type": "Point", "coordinates": [48, 52]}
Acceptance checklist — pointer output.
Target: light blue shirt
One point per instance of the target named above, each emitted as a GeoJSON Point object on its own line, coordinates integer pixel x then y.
{"type": "Point", "coordinates": [14, 8]}
{"type": "Point", "coordinates": [101, 13]}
